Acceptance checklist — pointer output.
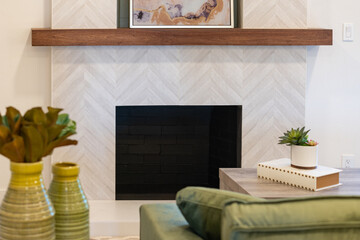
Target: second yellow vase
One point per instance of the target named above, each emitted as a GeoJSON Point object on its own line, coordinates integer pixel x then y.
{"type": "Point", "coordinates": [71, 205]}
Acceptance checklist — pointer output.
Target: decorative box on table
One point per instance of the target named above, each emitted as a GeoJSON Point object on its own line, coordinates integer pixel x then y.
{"type": "Point", "coordinates": [280, 170]}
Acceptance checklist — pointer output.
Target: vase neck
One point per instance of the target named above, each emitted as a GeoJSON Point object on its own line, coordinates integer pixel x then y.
{"type": "Point", "coordinates": [26, 174]}
{"type": "Point", "coordinates": [58, 178]}
{"type": "Point", "coordinates": [65, 172]}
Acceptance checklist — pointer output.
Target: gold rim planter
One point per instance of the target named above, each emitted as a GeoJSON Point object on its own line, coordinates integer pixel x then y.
{"type": "Point", "coordinates": [26, 212]}
{"type": "Point", "coordinates": [70, 203]}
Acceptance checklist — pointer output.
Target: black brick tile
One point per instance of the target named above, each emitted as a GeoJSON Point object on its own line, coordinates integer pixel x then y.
{"type": "Point", "coordinates": [201, 149]}
{"type": "Point", "coordinates": [202, 130]}
{"type": "Point", "coordinates": [161, 179]}
{"type": "Point", "coordinates": [194, 179]}
{"type": "Point", "coordinates": [203, 118]}
{"type": "Point", "coordinates": [121, 129]}
{"type": "Point", "coordinates": [138, 168]}
{"type": "Point", "coordinates": [146, 111]}
{"type": "Point", "coordinates": [144, 149]}
{"type": "Point", "coordinates": [178, 130]}
{"type": "Point", "coordinates": [187, 121]}
{"type": "Point", "coordinates": [145, 130]}
{"type": "Point", "coordinates": [163, 121]}
{"type": "Point", "coordinates": [158, 159]}
{"type": "Point", "coordinates": [181, 111]}
{"type": "Point", "coordinates": [176, 149]}
{"type": "Point", "coordinates": [194, 140]}
{"type": "Point", "coordinates": [131, 121]}
{"type": "Point", "coordinates": [129, 159]}
{"type": "Point", "coordinates": [129, 139]}
{"type": "Point", "coordinates": [188, 159]}
{"type": "Point", "coordinates": [130, 178]}
{"type": "Point", "coordinates": [168, 159]}
{"type": "Point", "coordinates": [123, 110]}
{"type": "Point", "coordinates": [165, 168]}
{"type": "Point", "coordinates": [160, 140]}
{"type": "Point", "coordinates": [122, 149]}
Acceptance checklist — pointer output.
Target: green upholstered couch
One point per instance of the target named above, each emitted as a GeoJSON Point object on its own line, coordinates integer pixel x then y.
{"type": "Point", "coordinates": [216, 214]}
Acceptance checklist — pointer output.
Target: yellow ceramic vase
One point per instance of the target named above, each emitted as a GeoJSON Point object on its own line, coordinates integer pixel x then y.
{"type": "Point", "coordinates": [26, 212]}
{"type": "Point", "coordinates": [71, 206]}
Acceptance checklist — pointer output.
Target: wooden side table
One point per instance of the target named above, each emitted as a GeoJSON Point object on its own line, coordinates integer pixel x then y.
{"type": "Point", "coordinates": [245, 180]}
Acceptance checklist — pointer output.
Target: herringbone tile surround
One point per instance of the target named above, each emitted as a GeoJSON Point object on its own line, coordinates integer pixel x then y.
{"type": "Point", "coordinates": [90, 81]}
{"type": "Point", "coordinates": [274, 13]}
{"type": "Point", "coordinates": [84, 13]}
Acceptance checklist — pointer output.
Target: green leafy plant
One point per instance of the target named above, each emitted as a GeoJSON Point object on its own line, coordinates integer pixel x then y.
{"type": "Point", "coordinates": [29, 138]}
{"type": "Point", "coordinates": [297, 137]}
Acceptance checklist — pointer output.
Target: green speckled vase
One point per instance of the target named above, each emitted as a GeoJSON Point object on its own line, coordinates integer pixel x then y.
{"type": "Point", "coordinates": [26, 212]}
{"type": "Point", "coordinates": [69, 200]}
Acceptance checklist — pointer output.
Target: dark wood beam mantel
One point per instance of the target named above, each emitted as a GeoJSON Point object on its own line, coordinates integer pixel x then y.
{"type": "Point", "coordinates": [233, 36]}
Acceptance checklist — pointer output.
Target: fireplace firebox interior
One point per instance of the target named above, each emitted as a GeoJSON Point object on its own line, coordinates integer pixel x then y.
{"type": "Point", "coordinates": [161, 149]}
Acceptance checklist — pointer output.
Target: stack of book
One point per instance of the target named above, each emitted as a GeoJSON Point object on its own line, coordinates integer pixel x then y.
{"type": "Point", "coordinates": [280, 171]}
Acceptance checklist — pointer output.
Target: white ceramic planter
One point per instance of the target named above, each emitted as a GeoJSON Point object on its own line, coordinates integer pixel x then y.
{"type": "Point", "coordinates": [305, 157]}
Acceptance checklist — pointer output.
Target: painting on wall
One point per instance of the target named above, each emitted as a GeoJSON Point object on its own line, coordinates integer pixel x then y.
{"type": "Point", "coordinates": [181, 14]}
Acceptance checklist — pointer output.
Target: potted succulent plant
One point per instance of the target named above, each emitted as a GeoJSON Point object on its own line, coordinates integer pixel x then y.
{"type": "Point", "coordinates": [304, 152]}
{"type": "Point", "coordinates": [26, 211]}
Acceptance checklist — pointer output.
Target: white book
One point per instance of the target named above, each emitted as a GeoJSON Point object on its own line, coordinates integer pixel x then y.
{"type": "Point", "coordinates": [280, 170]}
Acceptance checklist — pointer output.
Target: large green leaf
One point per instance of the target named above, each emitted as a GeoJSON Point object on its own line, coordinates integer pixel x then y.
{"type": "Point", "coordinates": [14, 150]}
{"type": "Point", "coordinates": [5, 135]}
{"type": "Point", "coordinates": [54, 132]}
{"type": "Point", "coordinates": [5, 122]}
{"type": "Point", "coordinates": [12, 114]}
{"type": "Point", "coordinates": [34, 143]}
{"type": "Point", "coordinates": [14, 119]}
{"type": "Point", "coordinates": [63, 119]}
{"type": "Point", "coordinates": [44, 134]}
{"type": "Point", "coordinates": [52, 115]}
{"type": "Point", "coordinates": [70, 128]}
{"type": "Point", "coordinates": [36, 115]}
{"type": "Point", "coordinates": [60, 142]}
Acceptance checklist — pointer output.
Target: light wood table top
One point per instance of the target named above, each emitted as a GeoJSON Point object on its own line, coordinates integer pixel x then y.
{"type": "Point", "coordinates": [245, 180]}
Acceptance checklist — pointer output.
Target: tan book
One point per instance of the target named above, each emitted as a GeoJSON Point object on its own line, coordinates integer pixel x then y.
{"type": "Point", "coordinates": [280, 171]}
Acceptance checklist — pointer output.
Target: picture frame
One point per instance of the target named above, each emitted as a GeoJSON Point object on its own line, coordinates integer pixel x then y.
{"type": "Point", "coordinates": [172, 15]}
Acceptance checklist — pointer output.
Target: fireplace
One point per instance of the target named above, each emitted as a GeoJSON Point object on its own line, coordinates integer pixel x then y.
{"type": "Point", "coordinates": [161, 149]}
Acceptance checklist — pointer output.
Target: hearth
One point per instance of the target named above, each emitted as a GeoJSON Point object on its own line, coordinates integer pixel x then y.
{"type": "Point", "coordinates": [161, 149]}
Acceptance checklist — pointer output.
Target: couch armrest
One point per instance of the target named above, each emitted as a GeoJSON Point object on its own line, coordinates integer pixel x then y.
{"type": "Point", "coordinates": [164, 222]}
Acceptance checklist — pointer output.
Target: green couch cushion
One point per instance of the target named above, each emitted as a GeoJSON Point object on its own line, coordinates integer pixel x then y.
{"type": "Point", "coordinates": [202, 208]}
{"type": "Point", "coordinates": [164, 221]}
{"type": "Point", "coordinates": [317, 218]}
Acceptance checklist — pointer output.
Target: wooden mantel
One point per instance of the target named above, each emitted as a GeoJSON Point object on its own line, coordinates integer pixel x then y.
{"type": "Point", "coordinates": [233, 36]}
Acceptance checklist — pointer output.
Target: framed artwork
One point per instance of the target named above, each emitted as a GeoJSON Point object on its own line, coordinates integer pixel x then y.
{"type": "Point", "coordinates": [181, 14]}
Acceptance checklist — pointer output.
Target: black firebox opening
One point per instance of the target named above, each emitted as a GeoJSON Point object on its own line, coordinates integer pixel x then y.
{"type": "Point", "coordinates": [162, 149]}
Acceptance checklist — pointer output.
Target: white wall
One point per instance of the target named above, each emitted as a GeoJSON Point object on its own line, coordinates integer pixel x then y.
{"type": "Point", "coordinates": [333, 90]}
{"type": "Point", "coordinates": [24, 70]}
